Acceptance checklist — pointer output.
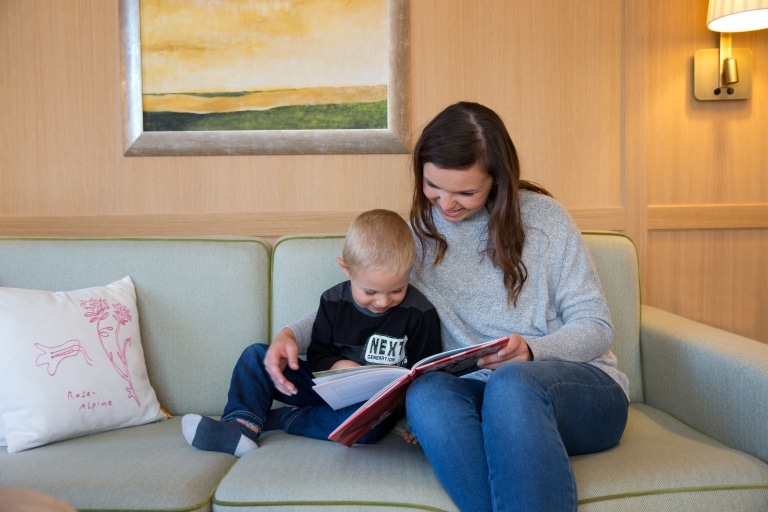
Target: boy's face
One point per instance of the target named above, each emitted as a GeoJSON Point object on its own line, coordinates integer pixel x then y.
{"type": "Point", "coordinates": [378, 291]}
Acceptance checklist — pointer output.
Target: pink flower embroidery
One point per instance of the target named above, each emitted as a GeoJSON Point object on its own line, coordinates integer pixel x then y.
{"type": "Point", "coordinates": [98, 310]}
{"type": "Point", "coordinates": [53, 356]}
{"type": "Point", "coordinates": [122, 314]}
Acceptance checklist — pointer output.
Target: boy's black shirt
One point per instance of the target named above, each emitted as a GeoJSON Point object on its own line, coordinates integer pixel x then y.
{"type": "Point", "coordinates": [401, 336]}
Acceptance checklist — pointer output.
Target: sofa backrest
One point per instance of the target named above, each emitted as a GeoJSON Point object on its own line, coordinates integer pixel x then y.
{"type": "Point", "coordinates": [305, 265]}
{"type": "Point", "coordinates": [615, 257]}
{"type": "Point", "coordinates": [200, 302]}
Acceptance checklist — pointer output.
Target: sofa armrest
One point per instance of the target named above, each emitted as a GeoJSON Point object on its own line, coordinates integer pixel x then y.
{"type": "Point", "coordinates": [713, 380]}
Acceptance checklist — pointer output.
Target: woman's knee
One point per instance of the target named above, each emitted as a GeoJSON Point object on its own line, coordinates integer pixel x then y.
{"type": "Point", "coordinates": [423, 392]}
{"type": "Point", "coordinates": [433, 397]}
{"type": "Point", "coordinates": [514, 379]}
{"type": "Point", "coordinates": [438, 404]}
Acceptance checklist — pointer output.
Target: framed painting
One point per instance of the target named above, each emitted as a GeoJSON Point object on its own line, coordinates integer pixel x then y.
{"type": "Point", "coordinates": [249, 77]}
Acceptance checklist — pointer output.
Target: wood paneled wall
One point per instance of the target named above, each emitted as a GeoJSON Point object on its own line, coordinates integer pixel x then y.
{"type": "Point", "coordinates": [597, 96]}
{"type": "Point", "coordinates": [707, 180]}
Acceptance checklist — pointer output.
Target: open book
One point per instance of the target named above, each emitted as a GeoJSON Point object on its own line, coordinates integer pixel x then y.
{"type": "Point", "coordinates": [384, 387]}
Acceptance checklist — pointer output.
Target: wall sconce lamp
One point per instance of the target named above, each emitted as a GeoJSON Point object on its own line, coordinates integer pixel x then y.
{"type": "Point", "coordinates": [726, 73]}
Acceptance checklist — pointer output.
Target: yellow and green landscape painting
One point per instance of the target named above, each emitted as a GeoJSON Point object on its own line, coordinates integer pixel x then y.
{"type": "Point", "coordinates": [264, 64]}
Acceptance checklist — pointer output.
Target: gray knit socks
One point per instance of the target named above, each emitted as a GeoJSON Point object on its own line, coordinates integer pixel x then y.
{"type": "Point", "coordinates": [216, 436]}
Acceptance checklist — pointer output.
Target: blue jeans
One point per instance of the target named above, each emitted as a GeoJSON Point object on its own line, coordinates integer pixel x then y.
{"type": "Point", "coordinates": [251, 393]}
{"type": "Point", "coordinates": [504, 444]}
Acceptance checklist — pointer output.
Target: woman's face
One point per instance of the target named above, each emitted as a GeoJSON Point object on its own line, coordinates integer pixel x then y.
{"type": "Point", "coordinates": [457, 193]}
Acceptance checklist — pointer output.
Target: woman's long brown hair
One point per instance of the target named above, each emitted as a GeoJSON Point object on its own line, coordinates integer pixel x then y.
{"type": "Point", "coordinates": [462, 135]}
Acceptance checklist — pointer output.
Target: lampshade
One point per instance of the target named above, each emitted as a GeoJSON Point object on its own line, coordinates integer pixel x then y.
{"type": "Point", "coordinates": [737, 15]}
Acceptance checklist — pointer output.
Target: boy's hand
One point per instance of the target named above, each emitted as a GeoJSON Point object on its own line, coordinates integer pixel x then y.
{"type": "Point", "coordinates": [282, 352]}
{"type": "Point", "coordinates": [344, 363]}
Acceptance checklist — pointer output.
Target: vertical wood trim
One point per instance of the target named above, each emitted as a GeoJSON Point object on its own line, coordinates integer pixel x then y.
{"type": "Point", "coordinates": [635, 126]}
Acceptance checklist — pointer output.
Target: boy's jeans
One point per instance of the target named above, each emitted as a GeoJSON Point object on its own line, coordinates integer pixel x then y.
{"type": "Point", "coordinates": [251, 393]}
{"type": "Point", "coordinates": [504, 444]}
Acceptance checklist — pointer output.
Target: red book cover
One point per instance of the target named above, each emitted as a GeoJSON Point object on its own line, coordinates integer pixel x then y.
{"type": "Point", "coordinates": [391, 397]}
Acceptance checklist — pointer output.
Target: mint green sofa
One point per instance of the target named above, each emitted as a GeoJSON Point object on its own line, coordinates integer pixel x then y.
{"type": "Point", "coordinates": [697, 437]}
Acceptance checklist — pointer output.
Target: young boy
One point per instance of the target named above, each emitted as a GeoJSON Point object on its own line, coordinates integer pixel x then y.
{"type": "Point", "coordinates": [375, 307]}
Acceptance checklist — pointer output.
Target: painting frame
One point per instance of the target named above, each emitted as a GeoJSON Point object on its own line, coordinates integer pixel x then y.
{"type": "Point", "coordinates": [394, 139]}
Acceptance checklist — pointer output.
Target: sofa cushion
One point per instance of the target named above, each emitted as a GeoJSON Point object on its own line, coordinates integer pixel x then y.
{"type": "Point", "coordinates": [289, 470]}
{"type": "Point", "coordinates": [662, 464]}
{"type": "Point", "coordinates": [306, 263]}
{"type": "Point", "coordinates": [200, 300]}
{"type": "Point", "coordinates": [659, 464]}
{"type": "Point", "coordinates": [149, 467]}
{"type": "Point", "coordinates": [72, 364]}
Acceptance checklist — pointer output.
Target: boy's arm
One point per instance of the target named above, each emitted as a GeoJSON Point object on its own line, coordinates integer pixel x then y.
{"type": "Point", "coordinates": [425, 339]}
{"type": "Point", "coordinates": [322, 353]}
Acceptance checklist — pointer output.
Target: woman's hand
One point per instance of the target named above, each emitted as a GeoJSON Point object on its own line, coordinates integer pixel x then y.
{"type": "Point", "coordinates": [282, 352]}
{"type": "Point", "coordinates": [516, 350]}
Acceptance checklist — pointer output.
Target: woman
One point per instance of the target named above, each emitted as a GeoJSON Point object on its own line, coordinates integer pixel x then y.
{"type": "Point", "coordinates": [499, 256]}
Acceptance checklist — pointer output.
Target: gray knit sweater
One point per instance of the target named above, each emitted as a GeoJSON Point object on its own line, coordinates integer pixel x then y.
{"type": "Point", "coordinates": [561, 311]}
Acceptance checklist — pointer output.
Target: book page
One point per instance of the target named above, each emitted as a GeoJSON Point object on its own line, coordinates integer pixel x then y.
{"type": "Point", "coordinates": [486, 348]}
{"type": "Point", "coordinates": [461, 360]}
{"type": "Point", "coordinates": [340, 373]}
{"type": "Point", "coordinates": [358, 387]}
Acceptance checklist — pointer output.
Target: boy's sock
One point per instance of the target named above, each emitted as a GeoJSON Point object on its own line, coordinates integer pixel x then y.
{"type": "Point", "coordinates": [216, 436]}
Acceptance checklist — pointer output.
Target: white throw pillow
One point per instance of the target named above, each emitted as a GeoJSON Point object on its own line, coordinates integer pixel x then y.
{"type": "Point", "coordinates": [72, 364]}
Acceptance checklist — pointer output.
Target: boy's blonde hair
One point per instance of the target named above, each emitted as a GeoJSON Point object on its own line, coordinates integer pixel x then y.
{"type": "Point", "coordinates": [379, 239]}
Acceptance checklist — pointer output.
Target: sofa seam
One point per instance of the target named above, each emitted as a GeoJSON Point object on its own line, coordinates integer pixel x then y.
{"type": "Point", "coordinates": [347, 503]}
{"type": "Point", "coordinates": [671, 490]}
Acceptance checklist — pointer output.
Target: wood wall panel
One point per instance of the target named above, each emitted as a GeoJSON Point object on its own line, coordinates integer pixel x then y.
{"type": "Point", "coordinates": [62, 137]}
{"type": "Point", "coordinates": [716, 277]}
{"type": "Point", "coordinates": [62, 97]}
{"type": "Point", "coordinates": [597, 97]}
{"type": "Point", "coordinates": [706, 152]}
{"type": "Point", "coordinates": [707, 183]}
{"type": "Point", "coordinates": [552, 70]}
